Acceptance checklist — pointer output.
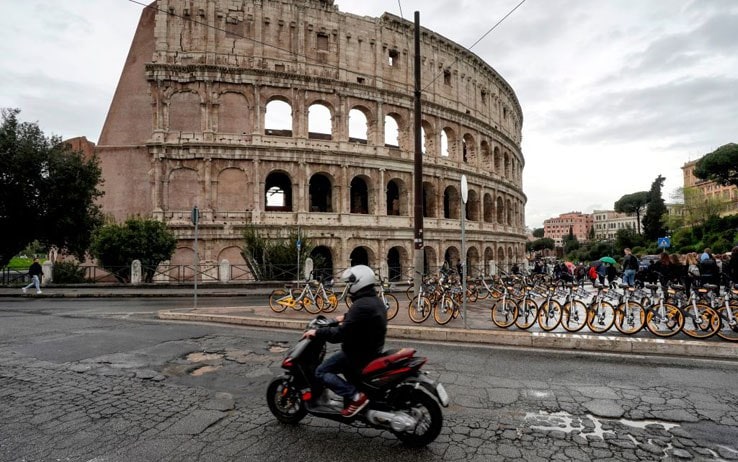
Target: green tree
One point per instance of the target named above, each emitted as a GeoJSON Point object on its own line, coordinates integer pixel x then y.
{"type": "Point", "coordinates": [116, 246]}
{"type": "Point", "coordinates": [538, 232]}
{"type": "Point", "coordinates": [47, 191]}
{"type": "Point", "coordinates": [720, 166]}
{"type": "Point", "coordinates": [628, 238]}
{"type": "Point", "coordinates": [272, 258]}
{"type": "Point", "coordinates": [633, 203]}
{"type": "Point", "coordinates": [653, 220]}
{"type": "Point", "coordinates": [541, 244]}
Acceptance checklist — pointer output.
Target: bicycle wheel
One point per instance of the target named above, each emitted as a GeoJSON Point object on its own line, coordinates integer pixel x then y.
{"type": "Point", "coordinates": [472, 294]}
{"type": "Point", "coordinates": [279, 299]}
{"type": "Point", "coordinates": [331, 303]}
{"type": "Point", "coordinates": [392, 306]}
{"type": "Point", "coordinates": [600, 317]}
{"type": "Point", "coordinates": [313, 307]}
{"type": "Point", "coordinates": [549, 315]}
{"type": "Point", "coordinates": [631, 320]}
{"type": "Point", "coordinates": [704, 325]}
{"type": "Point", "coordinates": [573, 316]}
{"type": "Point", "coordinates": [527, 312]}
{"type": "Point", "coordinates": [667, 325]}
{"type": "Point", "coordinates": [728, 329]}
{"type": "Point", "coordinates": [504, 314]}
{"type": "Point", "coordinates": [410, 291]}
{"type": "Point", "coordinates": [443, 311]}
{"type": "Point", "coordinates": [419, 309]}
{"type": "Point", "coordinates": [482, 293]}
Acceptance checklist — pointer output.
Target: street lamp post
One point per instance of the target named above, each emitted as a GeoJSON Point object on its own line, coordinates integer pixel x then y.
{"type": "Point", "coordinates": [464, 197]}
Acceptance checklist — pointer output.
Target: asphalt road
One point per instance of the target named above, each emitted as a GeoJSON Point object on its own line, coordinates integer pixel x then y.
{"type": "Point", "coordinates": [103, 380]}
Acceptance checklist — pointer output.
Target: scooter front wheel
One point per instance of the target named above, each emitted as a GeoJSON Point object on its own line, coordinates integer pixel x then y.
{"type": "Point", "coordinates": [285, 401]}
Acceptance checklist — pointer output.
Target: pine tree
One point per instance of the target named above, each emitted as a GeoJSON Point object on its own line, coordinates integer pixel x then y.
{"type": "Point", "coordinates": [653, 220]}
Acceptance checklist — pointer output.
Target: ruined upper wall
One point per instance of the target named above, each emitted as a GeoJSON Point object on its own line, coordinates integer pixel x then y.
{"type": "Point", "coordinates": [311, 38]}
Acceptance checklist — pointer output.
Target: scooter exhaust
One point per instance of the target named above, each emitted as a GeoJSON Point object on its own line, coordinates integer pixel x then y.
{"type": "Point", "coordinates": [399, 422]}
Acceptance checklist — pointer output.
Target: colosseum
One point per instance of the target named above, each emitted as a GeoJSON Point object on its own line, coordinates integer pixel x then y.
{"type": "Point", "coordinates": [286, 114]}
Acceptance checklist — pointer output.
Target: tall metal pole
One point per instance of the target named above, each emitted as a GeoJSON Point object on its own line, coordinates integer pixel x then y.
{"type": "Point", "coordinates": [196, 263]}
{"type": "Point", "coordinates": [418, 171]}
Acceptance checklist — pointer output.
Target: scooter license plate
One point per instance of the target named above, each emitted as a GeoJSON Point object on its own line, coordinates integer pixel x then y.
{"type": "Point", "coordinates": [442, 395]}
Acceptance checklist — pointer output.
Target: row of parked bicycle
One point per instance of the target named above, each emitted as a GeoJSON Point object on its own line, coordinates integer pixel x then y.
{"type": "Point", "coordinates": [522, 302]}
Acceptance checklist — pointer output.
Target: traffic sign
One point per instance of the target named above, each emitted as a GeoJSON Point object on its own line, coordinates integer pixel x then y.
{"type": "Point", "coordinates": [663, 242]}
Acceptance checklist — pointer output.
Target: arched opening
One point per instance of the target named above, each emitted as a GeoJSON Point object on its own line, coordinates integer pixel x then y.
{"type": "Point", "coordinates": [469, 149]}
{"type": "Point", "coordinates": [445, 152]}
{"type": "Point", "coordinates": [452, 257]}
{"type": "Point", "coordinates": [278, 118]}
{"type": "Point", "coordinates": [319, 193]}
{"type": "Point", "coordinates": [500, 211]}
{"type": "Point", "coordinates": [278, 197]}
{"type": "Point", "coordinates": [393, 198]}
{"type": "Point", "coordinates": [451, 203]}
{"type": "Point", "coordinates": [497, 160]}
{"type": "Point", "coordinates": [501, 262]}
{"type": "Point", "coordinates": [429, 263]}
{"type": "Point", "coordinates": [489, 258]}
{"type": "Point", "coordinates": [507, 166]}
{"type": "Point", "coordinates": [184, 190]}
{"type": "Point", "coordinates": [184, 112]}
{"type": "Point", "coordinates": [358, 127]}
{"type": "Point", "coordinates": [472, 262]}
{"type": "Point", "coordinates": [429, 200]}
{"type": "Point", "coordinates": [489, 209]}
{"type": "Point", "coordinates": [233, 113]}
{"type": "Point", "coordinates": [322, 262]}
{"type": "Point", "coordinates": [509, 210]}
{"type": "Point", "coordinates": [427, 135]}
{"type": "Point", "coordinates": [394, 263]}
{"type": "Point", "coordinates": [484, 148]}
{"type": "Point", "coordinates": [472, 206]}
{"type": "Point", "coordinates": [360, 256]}
{"type": "Point", "coordinates": [359, 196]}
{"type": "Point", "coordinates": [391, 131]}
{"type": "Point", "coordinates": [319, 122]}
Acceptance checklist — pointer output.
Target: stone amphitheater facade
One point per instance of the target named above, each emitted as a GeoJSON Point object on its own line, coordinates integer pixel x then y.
{"type": "Point", "coordinates": [189, 125]}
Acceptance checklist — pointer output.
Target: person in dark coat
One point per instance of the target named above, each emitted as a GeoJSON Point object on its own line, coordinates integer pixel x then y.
{"type": "Point", "coordinates": [36, 273]}
{"type": "Point", "coordinates": [361, 333]}
{"type": "Point", "coordinates": [732, 266]}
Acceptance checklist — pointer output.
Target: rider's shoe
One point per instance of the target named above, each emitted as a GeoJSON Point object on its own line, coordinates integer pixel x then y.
{"type": "Point", "coordinates": [355, 405]}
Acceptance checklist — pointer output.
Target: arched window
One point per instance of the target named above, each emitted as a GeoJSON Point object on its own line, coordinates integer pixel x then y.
{"type": "Point", "coordinates": [469, 149]}
{"type": "Point", "coordinates": [358, 127]}
{"type": "Point", "coordinates": [497, 160]}
{"type": "Point", "coordinates": [320, 193]}
{"type": "Point", "coordinates": [278, 118]}
{"type": "Point", "coordinates": [489, 209]}
{"type": "Point", "coordinates": [428, 137]}
{"type": "Point", "coordinates": [278, 192]}
{"type": "Point", "coordinates": [359, 196]}
{"type": "Point", "coordinates": [472, 206]}
{"type": "Point", "coordinates": [500, 208]}
{"type": "Point", "coordinates": [395, 258]}
{"type": "Point", "coordinates": [360, 256]}
{"type": "Point", "coordinates": [391, 131]}
{"type": "Point", "coordinates": [323, 262]}
{"type": "Point", "coordinates": [451, 203]}
{"type": "Point", "coordinates": [393, 198]}
{"type": "Point", "coordinates": [472, 262]}
{"type": "Point", "coordinates": [509, 210]}
{"type": "Point", "coordinates": [429, 200]}
{"type": "Point", "coordinates": [319, 122]}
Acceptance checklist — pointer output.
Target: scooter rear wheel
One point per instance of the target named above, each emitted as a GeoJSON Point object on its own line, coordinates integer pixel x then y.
{"type": "Point", "coordinates": [285, 401]}
{"type": "Point", "coordinates": [428, 412]}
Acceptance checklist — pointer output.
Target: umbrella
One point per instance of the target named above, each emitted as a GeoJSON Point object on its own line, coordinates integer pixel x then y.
{"type": "Point", "coordinates": [609, 260]}
{"type": "Point", "coordinates": [570, 265]}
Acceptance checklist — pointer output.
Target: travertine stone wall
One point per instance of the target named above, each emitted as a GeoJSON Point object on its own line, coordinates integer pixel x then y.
{"type": "Point", "coordinates": [188, 126]}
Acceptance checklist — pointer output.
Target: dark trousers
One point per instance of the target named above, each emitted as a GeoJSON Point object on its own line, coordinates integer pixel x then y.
{"type": "Point", "coordinates": [328, 372]}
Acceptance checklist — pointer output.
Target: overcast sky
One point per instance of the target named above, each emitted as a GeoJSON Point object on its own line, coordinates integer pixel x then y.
{"type": "Point", "coordinates": [614, 92]}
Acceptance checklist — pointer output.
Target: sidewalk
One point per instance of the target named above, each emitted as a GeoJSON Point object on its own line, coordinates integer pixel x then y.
{"type": "Point", "coordinates": [480, 328]}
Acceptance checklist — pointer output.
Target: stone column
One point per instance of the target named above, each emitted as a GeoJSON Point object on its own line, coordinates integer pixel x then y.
{"type": "Point", "coordinates": [224, 270]}
{"type": "Point", "coordinates": [47, 272]}
{"type": "Point", "coordinates": [136, 272]}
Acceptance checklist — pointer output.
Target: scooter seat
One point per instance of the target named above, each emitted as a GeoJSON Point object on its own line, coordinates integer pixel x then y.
{"type": "Point", "coordinates": [388, 358]}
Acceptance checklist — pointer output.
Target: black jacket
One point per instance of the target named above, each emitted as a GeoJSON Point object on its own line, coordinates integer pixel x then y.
{"type": "Point", "coordinates": [363, 329]}
{"type": "Point", "coordinates": [630, 262]}
{"type": "Point", "coordinates": [35, 269]}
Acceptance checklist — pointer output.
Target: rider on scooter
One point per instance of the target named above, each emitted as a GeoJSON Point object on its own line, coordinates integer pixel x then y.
{"type": "Point", "coordinates": [361, 333]}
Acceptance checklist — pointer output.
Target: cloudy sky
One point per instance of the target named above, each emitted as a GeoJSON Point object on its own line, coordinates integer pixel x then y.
{"type": "Point", "coordinates": [614, 92]}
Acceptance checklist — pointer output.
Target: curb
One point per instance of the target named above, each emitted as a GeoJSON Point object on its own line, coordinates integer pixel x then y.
{"type": "Point", "coordinates": [539, 340]}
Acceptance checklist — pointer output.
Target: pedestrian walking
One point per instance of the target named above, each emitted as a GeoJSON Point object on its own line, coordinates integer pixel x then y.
{"type": "Point", "coordinates": [630, 266]}
{"type": "Point", "coordinates": [36, 273]}
{"type": "Point", "coordinates": [730, 269]}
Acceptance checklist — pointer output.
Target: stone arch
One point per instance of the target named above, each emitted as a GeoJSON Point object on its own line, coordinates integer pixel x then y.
{"type": "Point", "coordinates": [485, 151]}
{"type": "Point", "coordinates": [448, 143]}
{"type": "Point", "coordinates": [430, 261]}
{"type": "Point", "coordinates": [232, 254]}
{"type": "Point", "coordinates": [361, 255]}
{"type": "Point", "coordinates": [500, 208]}
{"type": "Point", "coordinates": [322, 262]}
{"type": "Point", "coordinates": [428, 136]}
{"type": "Point", "coordinates": [472, 261]}
{"type": "Point", "coordinates": [392, 130]}
{"type": "Point", "coordinates": [452, 256]}
{"type": "Point", "coordinates": [278, 192]}
{"type": "Point", "coordinates": [497, 160]}
{"type": "Point", "coordinates": [320, 121]}
{"type": "Point", "coordinates": [506, 161]}
{"type": "Point", "coordinates": [451, 203]}
{"type": "Point", "coordinates": [359, 125]}
{"type": "Point", "coordinates": [509, 210]}
{"type": "Point", "coordinates": [320, 193]}
{"type": "Point", "coordinates": [185, 114]}
{"type": "Point", "coordinates": [359, 195]}
{"type": "Point", "coordinates": [472, 206]}
{"type": "Point", "coordinates": [469, 149]}
{"type": "Point", "coordinates": [233, 113]}
{"type": "Point", "coordinates": [184, 189]}
{"type": "Point", "coordinates": [397, 260]}
{"type": "Point", "coordinates": [501, 262]}
{"type": "Point", "coordinates": [489, 208]}
{"type": "Point", "coordinates": [429, 200]}
{"type": "Point", "coordinates": [397, 197]}
{"type": "Point", "coordinates": [278, 117]}
{"type": "Point", "coordinates": [232, 192]}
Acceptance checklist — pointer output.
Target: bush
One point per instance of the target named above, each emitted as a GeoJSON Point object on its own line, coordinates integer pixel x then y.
{"type": "Point", "coordinates": [68, 272]}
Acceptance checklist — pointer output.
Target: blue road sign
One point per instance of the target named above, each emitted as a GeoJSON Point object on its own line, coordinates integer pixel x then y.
{"type": "Point", "coordinates": [664, 242]}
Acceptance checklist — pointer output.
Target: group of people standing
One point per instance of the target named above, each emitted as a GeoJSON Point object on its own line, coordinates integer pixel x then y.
{"type": "Point", "coordinates": [693, 268]}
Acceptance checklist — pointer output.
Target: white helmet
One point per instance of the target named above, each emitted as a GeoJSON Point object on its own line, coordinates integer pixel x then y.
{"type": "Point", "coordinates": [358, 276]}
